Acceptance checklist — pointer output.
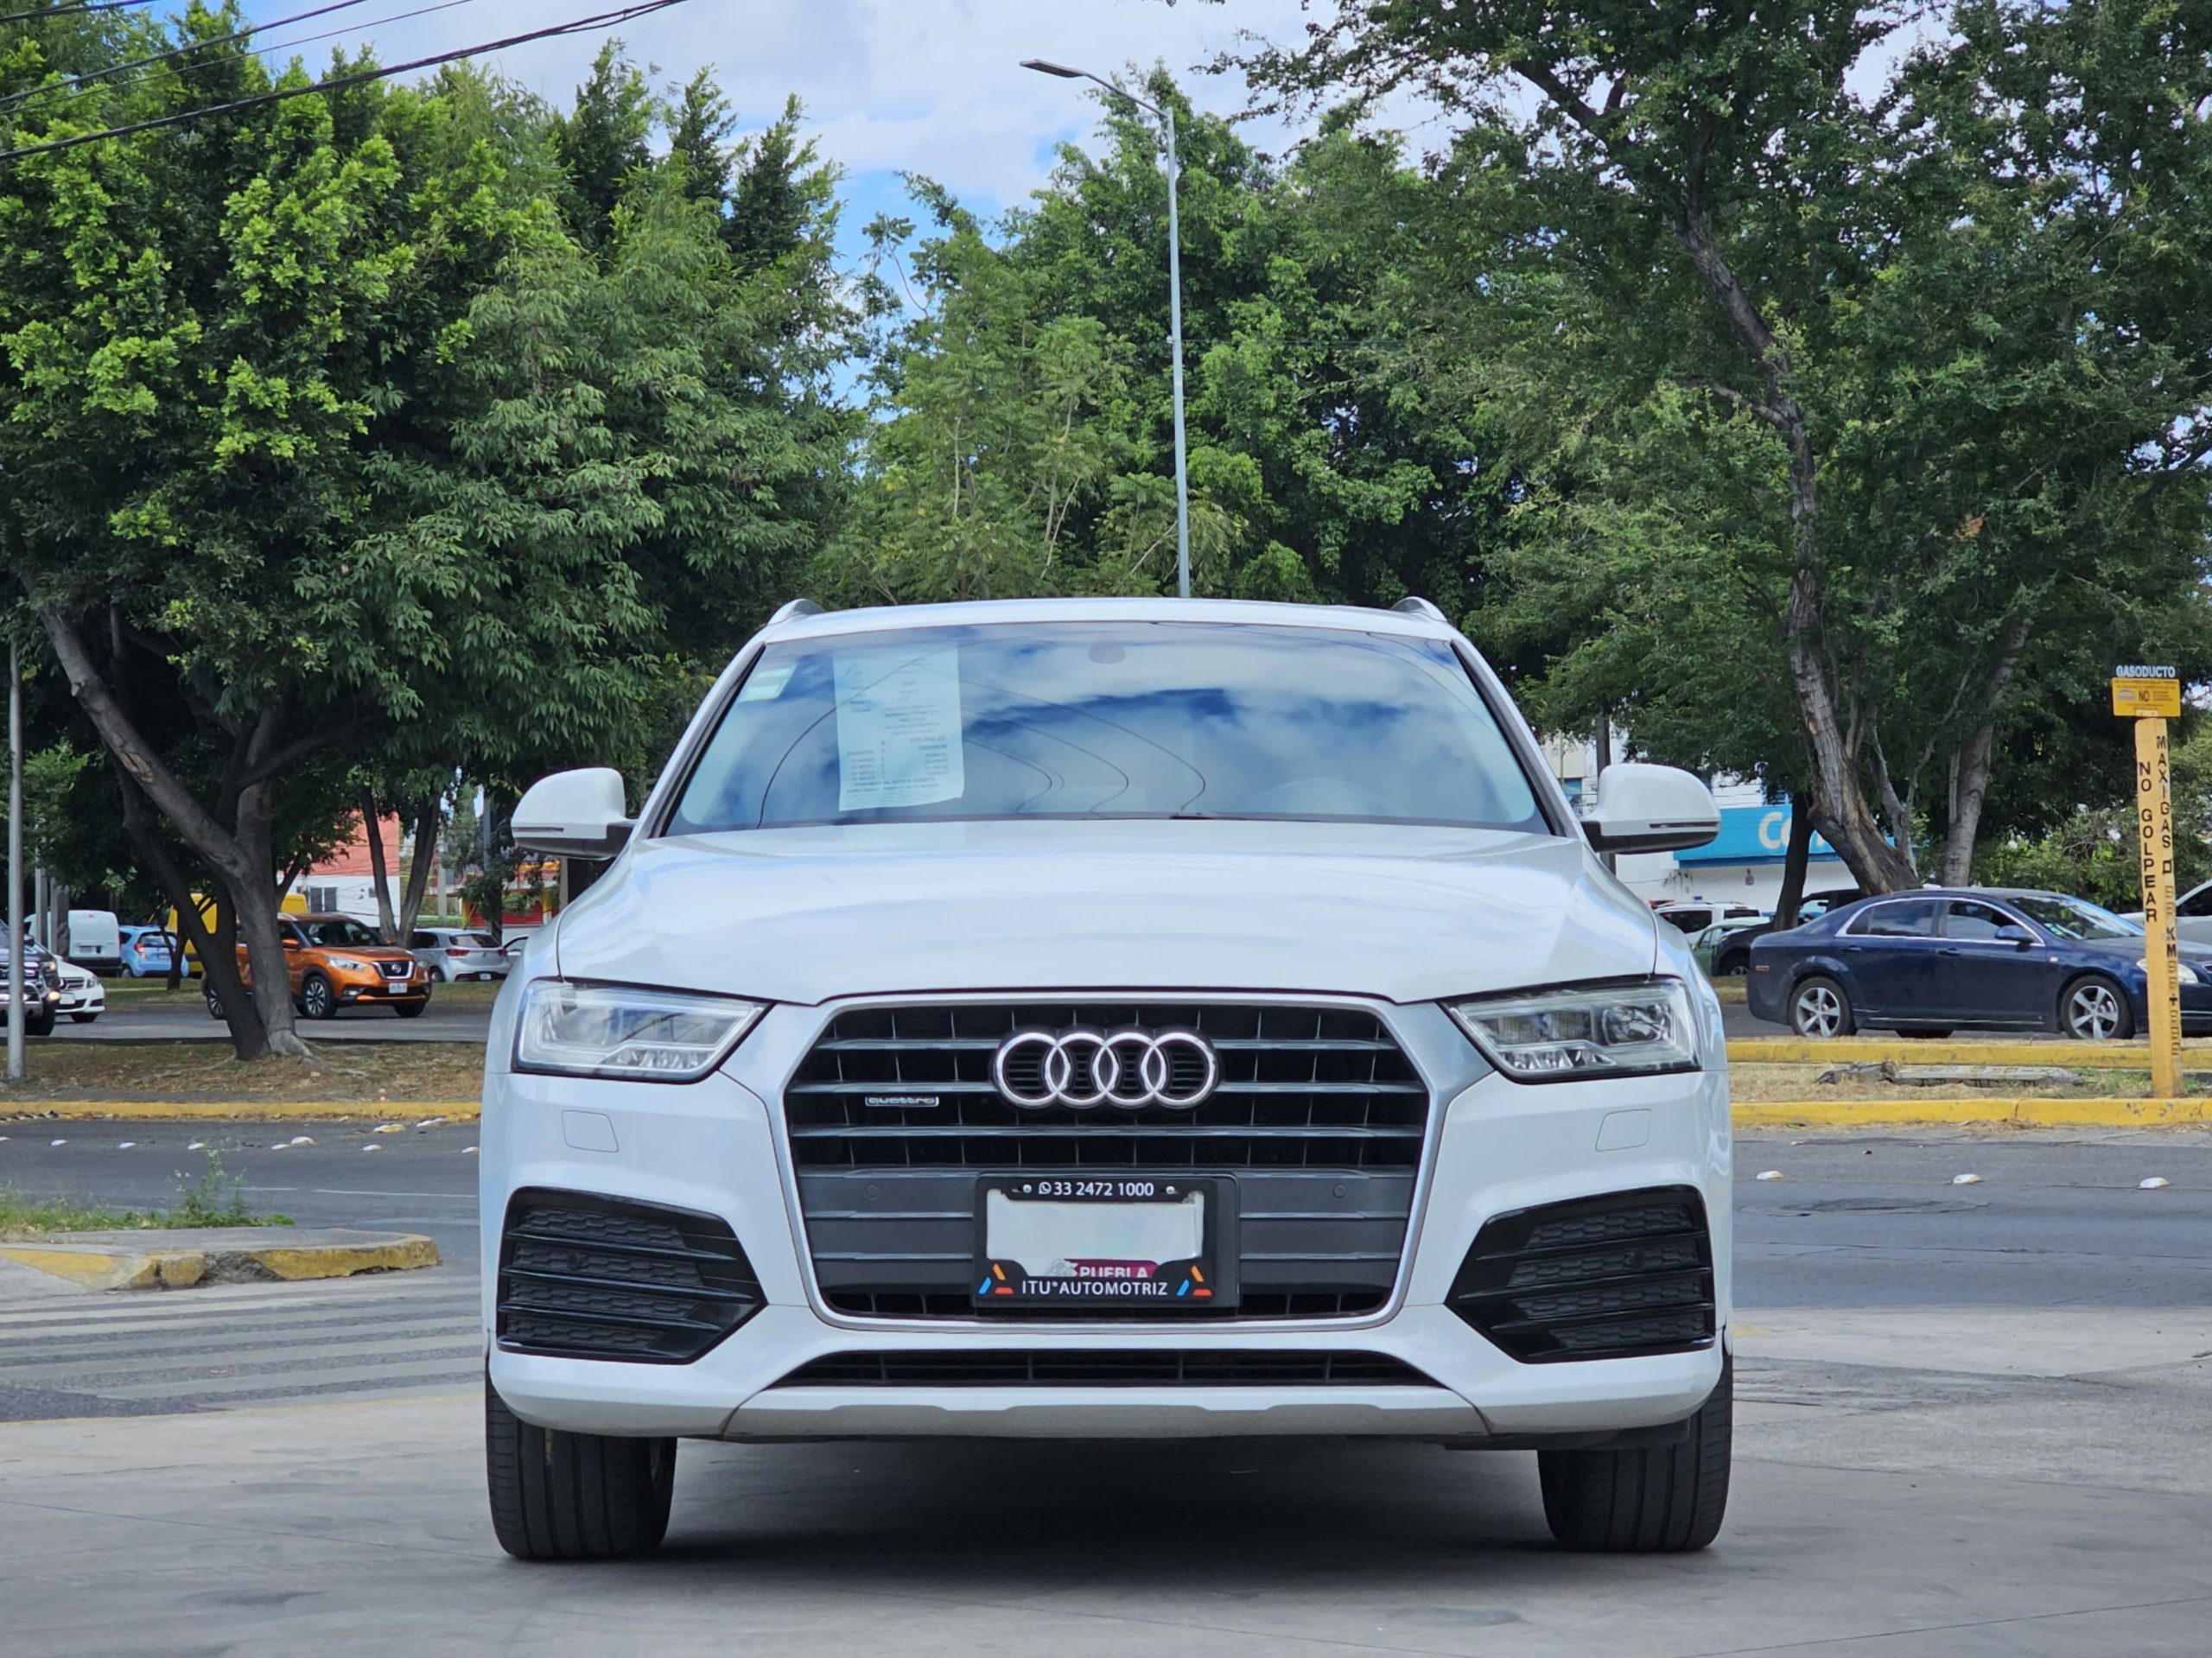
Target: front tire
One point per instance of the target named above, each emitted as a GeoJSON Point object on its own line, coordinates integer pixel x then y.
{"type": "Point", "coordinates": [410, 1009]}
{"type": "Point", "coordinates": [557, 1496]}
{"type": "Point", "coordinates": [1821, 1007]}
{"type": "Point", "coordinates": [1665, 1499]}
{"type": "Point", "coordinates": [2095, 1009]}
{"type": "Point", "coordinates": [214, 1001]}
{"type": "Point", "coordinates": [317, 999]}
{"type": "Point", "coordinates": [41, 1024]}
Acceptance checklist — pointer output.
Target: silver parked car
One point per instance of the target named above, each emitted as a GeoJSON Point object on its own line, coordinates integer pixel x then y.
{"type": "Point", "coordinates": [453, 953]}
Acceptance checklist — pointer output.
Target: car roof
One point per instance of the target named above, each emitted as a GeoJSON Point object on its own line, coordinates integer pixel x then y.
{"type": "Point", "coordinates": [1248, 612]}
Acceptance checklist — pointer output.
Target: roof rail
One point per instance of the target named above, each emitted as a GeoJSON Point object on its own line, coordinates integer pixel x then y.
{"type": "Point", "coordinates": [1413, 605]}
{"type": "Point", "coordinates": [791, 611]}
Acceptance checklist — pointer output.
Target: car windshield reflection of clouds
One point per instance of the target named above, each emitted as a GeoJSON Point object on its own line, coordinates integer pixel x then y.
{"type": "Point", "coordinates": [2070, 919]}
{"type": "Point", "coordinates": [1094, 720]}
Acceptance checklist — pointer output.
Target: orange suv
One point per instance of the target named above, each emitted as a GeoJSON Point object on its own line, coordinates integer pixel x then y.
{"type": "Point", "coordinates": [335, 963]}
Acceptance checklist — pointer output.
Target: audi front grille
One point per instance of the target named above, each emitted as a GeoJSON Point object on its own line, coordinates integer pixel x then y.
{"type": "Point", "coordinates": [1316, 1112]}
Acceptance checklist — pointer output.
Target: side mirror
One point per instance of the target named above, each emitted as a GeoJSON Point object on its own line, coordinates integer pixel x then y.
{"type": "Point", "coordinates": [2019, 937]}
{"type": "Point", "coordinates": [578, 814]}
{"type": "Point", "coordinates": [288, 941]}
{"type": "Point", "coordinates": [1650, 808]}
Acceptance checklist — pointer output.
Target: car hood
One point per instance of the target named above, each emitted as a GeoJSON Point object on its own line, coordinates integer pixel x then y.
{"type": "Point", "coordinates": [2125, 952]}
{"type": "Point", "coordinates": [1402, 912]}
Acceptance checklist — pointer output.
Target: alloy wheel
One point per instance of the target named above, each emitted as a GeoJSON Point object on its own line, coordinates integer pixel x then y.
{"type": "Point", "coordinates": [1820, 1010]}
{"type": "Point", "coordinates": [2093, 1013]}
{"type": "Point", "coordinates": [316, 994]}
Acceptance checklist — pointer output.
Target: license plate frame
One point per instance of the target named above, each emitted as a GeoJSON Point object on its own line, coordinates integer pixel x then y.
{"type": "Point", "coordinates": [1204, 1281]}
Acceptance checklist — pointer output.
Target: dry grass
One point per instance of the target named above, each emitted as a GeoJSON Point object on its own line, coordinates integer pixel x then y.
{"type": "Point", "coordinates": [364, 1073]}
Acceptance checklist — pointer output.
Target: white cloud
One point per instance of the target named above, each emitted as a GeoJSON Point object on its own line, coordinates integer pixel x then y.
{"type": "Point", "coordinates": [932, 87]}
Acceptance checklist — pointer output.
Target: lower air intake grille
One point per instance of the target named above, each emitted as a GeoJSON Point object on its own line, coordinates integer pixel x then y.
{"type": "Point", "coordinates": [587, 1277]}
{"type": "Point", "coordinates": [1609, 1277]}
{"type": "Point", "coordinates": [1107, 1367]}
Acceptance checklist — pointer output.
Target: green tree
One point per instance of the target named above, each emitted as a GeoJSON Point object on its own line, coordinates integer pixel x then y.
{"type": "Point", "coordinates": [332, 447]}
{"type": "Point", "coordinates": [1914, 361]}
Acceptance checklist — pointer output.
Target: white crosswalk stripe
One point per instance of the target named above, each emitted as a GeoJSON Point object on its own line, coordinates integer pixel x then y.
{"type": "Point", "coordinates": [231, 1345]}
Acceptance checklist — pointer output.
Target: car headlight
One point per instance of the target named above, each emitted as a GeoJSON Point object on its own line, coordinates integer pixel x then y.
{"type": "Point", "coordinates": [347, 964]}
{"type": "Point", "coordinates": [1609, 1029]}
{"type": "Point", "coordinates": [2187, 974]}
{"type": "Point", "coordinates": [613, 1030]}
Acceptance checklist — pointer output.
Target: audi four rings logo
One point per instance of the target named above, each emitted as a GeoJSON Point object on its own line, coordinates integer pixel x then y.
{"type": "Point", "coordinates": [1127, 1069]}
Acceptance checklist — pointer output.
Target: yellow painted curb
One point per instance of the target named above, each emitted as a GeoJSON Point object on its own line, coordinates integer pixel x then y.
{"type": "Point", "coordinates": [2075, 1056]}
{"type": "Point", "coordinates": [145, 1270]}
{"type": "Point", "coordinates": [329, 1261]}
{"type": "Point", "coordinates": [249, 1110]}
{"type": "Point", "coordinates": [2012, 1112]}
{"type": "Point", "coordinates": [124, 1266]}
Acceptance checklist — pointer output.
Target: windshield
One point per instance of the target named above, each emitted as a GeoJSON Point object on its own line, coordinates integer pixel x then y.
{"type": "Point", "coordinates": [2071, 918]}
{"type": "Point", "coordinates": [1108, 719]}
{"type": "Point", "coordinates": [339, 932]}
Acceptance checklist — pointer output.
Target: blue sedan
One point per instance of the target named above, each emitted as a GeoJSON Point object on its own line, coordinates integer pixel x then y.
{"type": "Point", "coordinates": [1927, 962]}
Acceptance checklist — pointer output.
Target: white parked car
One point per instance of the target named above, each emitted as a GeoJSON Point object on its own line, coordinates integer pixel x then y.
{"type": "Point", "coordinates": [84, 999]}
{"type": "Point", "coordinates": [1107, 1019]}
{"type": "Point", "coordinates": [456, 953]}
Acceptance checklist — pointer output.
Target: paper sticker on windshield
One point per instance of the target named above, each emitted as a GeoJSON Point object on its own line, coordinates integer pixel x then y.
{"type": "Point", "coordinates": [766, 682]}
{"type": "Point", "coordinates": [898, 728]}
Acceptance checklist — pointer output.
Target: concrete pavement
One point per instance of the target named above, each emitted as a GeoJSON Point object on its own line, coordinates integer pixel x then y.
{"type": "Point", "coordinates": [1923, 1511]}
{"type": "Point", "coordinates": [1974, 1420]}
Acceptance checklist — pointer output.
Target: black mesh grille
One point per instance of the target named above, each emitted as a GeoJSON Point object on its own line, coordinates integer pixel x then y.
{"type": "Point", "coordinates": [1607, 1277]}
{"type": "Point", "coordinates": [1300, 1087]}
{"type": "Point", "coordinates": [587, 1277]}
{"type": "Point", "coordinates": [1107, 1367]}
{"type": "Point", "coordinates": [1318, 1116]}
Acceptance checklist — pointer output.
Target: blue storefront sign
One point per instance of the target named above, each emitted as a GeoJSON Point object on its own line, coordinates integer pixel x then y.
{"type": "Point", "coordinates": [1751, 835]}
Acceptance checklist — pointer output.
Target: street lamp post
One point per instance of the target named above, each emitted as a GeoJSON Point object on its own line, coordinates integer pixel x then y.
{"type": "Point", "coordinates": [1167, 116]}
{"type": "Point", "coordinates": [15, 868]}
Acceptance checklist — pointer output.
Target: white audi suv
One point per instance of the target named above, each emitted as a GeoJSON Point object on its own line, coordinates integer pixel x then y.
{"type": "Point", "coordinates": [1107, 1018]}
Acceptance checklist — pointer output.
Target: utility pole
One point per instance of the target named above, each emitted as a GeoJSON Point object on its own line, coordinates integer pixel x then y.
{"type": "Point", "coordinates": [15, 867]}
{"type": "Point", "coordinates": [1166, 119]}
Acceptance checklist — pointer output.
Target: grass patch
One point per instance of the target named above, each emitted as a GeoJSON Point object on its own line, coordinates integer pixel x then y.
{"type": "Point", "coordinates": [1753, 1084]}
{"type": "Point", "coordinates": [367, 1073]}
{"type": "Point", "coordinates": [212, 1198]}
{"type": "Point", "coordinates": [1733, 991]}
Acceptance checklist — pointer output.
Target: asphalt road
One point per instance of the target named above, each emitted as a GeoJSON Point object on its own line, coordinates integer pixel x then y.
{"type": "Point", "coordinates": [131, 1018]}
{"type": "Point", "coordinates": [1973, 1420]}
{"type": "Point", "coordinates": [1857, 1221]}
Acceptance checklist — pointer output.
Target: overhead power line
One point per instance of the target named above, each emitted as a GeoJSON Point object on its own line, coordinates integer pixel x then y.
{"type": "Point", "coordinates": [185, 50]}
{"type": "Point", "coordinates": [335, 83]}
{"type": "Point", "coordinates": [15, 102]}
{"type": "Point", "coordinates": [44, 12]}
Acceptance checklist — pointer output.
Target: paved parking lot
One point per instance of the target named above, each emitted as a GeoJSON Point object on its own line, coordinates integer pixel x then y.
{"type": "Point", "coordinates": [1974, 1422]}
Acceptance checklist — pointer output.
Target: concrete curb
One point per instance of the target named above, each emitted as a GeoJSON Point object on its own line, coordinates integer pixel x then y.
{"type": "Point", "coordinates": [116, 1261]}
{"type": "Point", "coordinates": [1837, 1051]}
{"type": "Point", "coordinates": [250, 1110]}
{"type": "Point", "coordinates": [1997, 1112]}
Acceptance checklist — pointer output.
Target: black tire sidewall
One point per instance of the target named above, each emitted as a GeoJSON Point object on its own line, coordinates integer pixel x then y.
{"type": "Point", "coordinates": [307, 997]}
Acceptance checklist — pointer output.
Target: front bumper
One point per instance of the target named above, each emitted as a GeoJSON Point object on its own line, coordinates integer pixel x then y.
{"type": "Point", "coordinates": [716, 1146]}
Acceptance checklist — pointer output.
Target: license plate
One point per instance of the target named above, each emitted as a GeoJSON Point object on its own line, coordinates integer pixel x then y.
{"type": "Point", "coordinates": [1149, 1242]}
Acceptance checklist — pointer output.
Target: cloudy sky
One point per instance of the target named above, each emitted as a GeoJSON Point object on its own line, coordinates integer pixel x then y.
{"type": "Point", "coordinates": [930, 87]}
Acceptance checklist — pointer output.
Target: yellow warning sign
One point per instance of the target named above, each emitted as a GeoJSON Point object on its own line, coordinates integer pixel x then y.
{"type": "Point", "coordinates": [2147, 694]}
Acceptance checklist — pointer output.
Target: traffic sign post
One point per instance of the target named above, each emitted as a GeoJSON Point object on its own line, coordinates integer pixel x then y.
{"type": "Point", "coordinates": [2149, 696]}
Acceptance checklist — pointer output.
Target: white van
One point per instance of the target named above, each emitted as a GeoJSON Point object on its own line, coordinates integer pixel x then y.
{"type": "Point", "coordinates": [93, 940]}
